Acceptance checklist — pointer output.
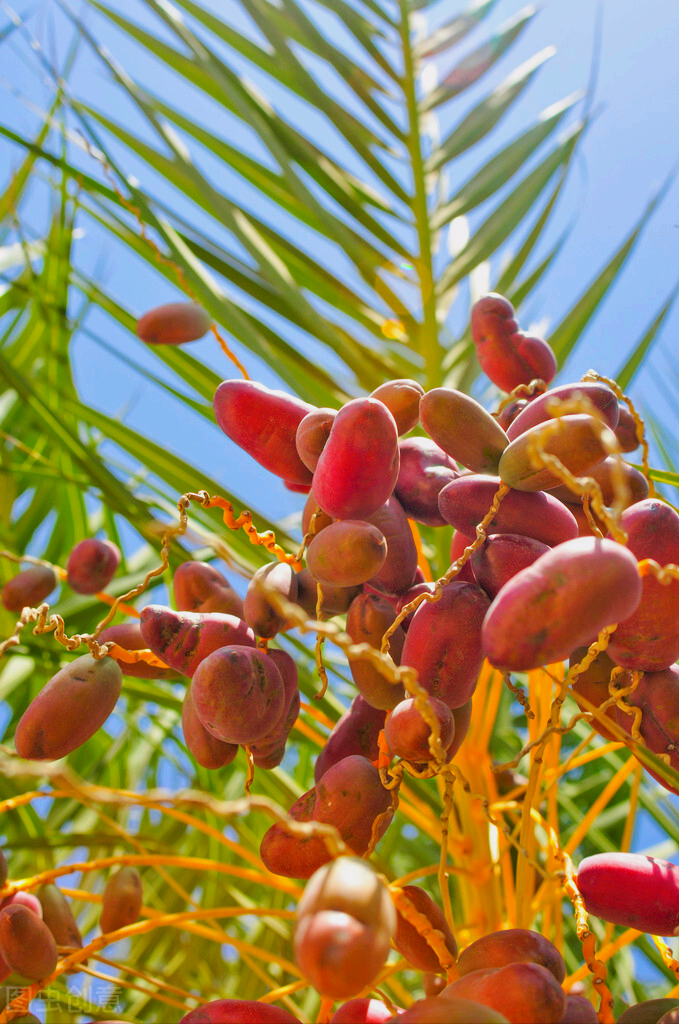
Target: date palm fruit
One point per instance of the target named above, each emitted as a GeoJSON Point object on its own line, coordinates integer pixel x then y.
{"type": "Point", "coordinates": [508, 414]}
{"type": "Point", "coordinates": [238, 694]}
{"type": "Point", "coordinates": [402, 399]}
{"type": "Point", "coordinates": [501, 556]}
{"type": "Point", "coordinates": [443, 642]}
{"type": "Point", "coordinates": [506, 355]}
{"type": "Point", "coordinates": [91, 565]}
{"type": "Point", "coordinates": [312, 433]}
{"type": "Point", "coordinates": [345, 922]}
{"type": "Point", "coordinates": [592, 684]}
{"type": "Point", "coordinates": [361, 1011]}
{"type": "Point", "coordinates": [457, 548]}
{"type": "Point", "coordinates": [368, 618]}
{"type": "Point", "coordinates": [650, 1011]}
{"type": "Point", "coordinates": [626, 431]}
{"type": "Point", "coordinates": [434, 1010]}
{"type": "Point", "coordinates": [238, 1011]}
{"type": "Point", "coordinates": [259, 611]}
{"type": "Point", "coordinates": [346, 553]}
{"type": "Point", "coordinates": [268, 752]}
{"type": "Point", "coordinates": [463, 429]}
{"type": "Point", "coordinates": [465, 502]}
{"type": "Point", "coordinates": [462, 717]}
{"type": "Point", "coordinates": [69, 709]}
{"type": "Point", "coordinates": [579, 1010]}
{"type": "Point", "coordinates": [264, 424]}
{"type": "Point", "coordinates": [425, 469]}
{"type": "Point", "coordinates": [605, 475]}
{"type": "Point", "coordinates": [574, 441]}
{"type": "Point", "coordinates": [632, 890]}
{"type": "Point", "coordinates": [350, 796]}
{"type": "Point", "coordinates": [199, 587]}
{"type": "Point", "coordinates": [649, 639]}
{"type": "Point", "coordinates": [128, 636]}
{"type": "Point", "coordinates": [27, 945]}
{"type": "Point", "coordinates": [122, 899]}
{"type": "Point", "coordinates": [657, 694]}
{"type": "Point", "coordinates": [352, 886]}
{"type": "Point", "coordinates": [397, 572]}
{"type": "Point", "coordinates": [339, 955]}
{"type": "Point", "coordinates": [25, 899]}
{"type": "Point", "coordinates": [208, 751]}
{"type": "Point", "coordinates": [512, 945]}
{"type": "Point", "coordinates": [335, 600]}
{"type": "Point", "coordinates": [174, 324]}
{"type": "Point", "coordinates": [600, 396]}
{"type": "Point", "coordinates": [57, 915]}
{"type": "Point", "coordinates": [407, 733]}
{"type": "Point", "coordinates": [560, 602]}
{"type": "Point", "coordinates": [358, 467]}
{"type": "Point", "coordinates": [522, 991]}
{"type": "Point", "coordinates": [322, 518]}
{"type": "Point", "coordinates": [356, 732]}
{"type": "Point", "coordinates": [29, 588]}
{"type": "Point", "coordinates": [414, 946]}
{"type": "Point", "coordinates": [184, 639]}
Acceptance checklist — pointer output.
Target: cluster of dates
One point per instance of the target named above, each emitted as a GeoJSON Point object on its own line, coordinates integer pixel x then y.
{"type": "Point", "coordinates": [35, 930]}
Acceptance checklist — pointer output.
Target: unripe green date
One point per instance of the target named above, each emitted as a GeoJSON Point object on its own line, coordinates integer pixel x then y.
{"type": "Point", "coordinates": [463, 429]}
{"type": "Point", "coordinates": [91, 565]}
{"type": "Point", "coordinates": [69, 709]}
{"type": "Point", "coordinates": [122, 899]}
{"type": "Point", "coordinates": [264, 424]}
{"type": "Point", "coordinates": [560, 602]}
{"type": "Point", "coordinates": [350, 796]}
{"type": "Point", "coordinates": [238, 694]}
{"type": "Point", "coordinates": [28, 588]}
{"type": "Point", "coordinates": [346, 553]}
{"type": "Point", "coordinates": [402, 399]}
{"type": "Point", "coordinates": [27, 945]}
{"type": "Point", "coordinates": [443, 643]}
{"type": "Point", "coordinates": [184, 639]}
{"type": "Point", "coordinates": [632, 890]}
{"type": "Point", "coordinates": [358, 467]}
{"type": "Point", "coordinates": [199, 587]}
{"type": "Point", "coordinates": [174, 324]}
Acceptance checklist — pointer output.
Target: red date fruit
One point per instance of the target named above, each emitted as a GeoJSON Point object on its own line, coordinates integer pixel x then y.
{"type": "Point", "coordinates": [69, 709]}
{"type": "Point", "coordinates": [312, 433]}
{"type": "Point", "coordinates": [411, 944]}
{"type": "Point", "coordinates": [199, 587]}
{"type": "Point", "coordinates": [626, 431]}
{"type": "Point", "coordinates": [512, 945]}
{"type": "Point", "coordinates": [91, 565]}
{"type": "Point", "coordinates": [463, 429]}
{"type": "Point", "coordinates": [361, 1011]}
{"type": "Point", "coordinates": [264, 424]}
{"type": "Point", "coordinates": [238, 1011]}
{"type": "Point", "coordinates": [27, 945]}
{"type": "Point", "coordinates": [346, 553]}
{"type": "Point", "coordinates": [28, 588]}
{"type": "Point", "coordinates": [600, 395]}
{"type": "Point", "coordinates": [358, 467]}
{"type": "Point", "coordinates": [259, 610]}
{"type": "Point", "coordinates": [402, 399]}
{"type": "Point", "coordinates": [268, 752]}
{"type": "Point", "coordinates": [174, 324]}
{"type": "Point", "coordinates": [184, 639]}
{"type": "Point", "coordinates": [575, 442]}
{"type": "Point", "coordinates": [356, 732]}
{"type": "Point", "coordinates": [397, 572]}
{"type": "Point", "coordinates": [128, 636]}
{"type": "Point", "coordinates": [424, 472]}
{"type": "Point", "coordinates": [501, 556]}
{"type": "Point", "coordinates": [238, 694]}
{"type": "Point", "coordinates": [121, 902]}
{"type": "Point", "coordinates": [523, 992]}
{"type": "Point", "coordinates": [208, 751]}
{"type": "Point", "coordinates": [368, 619]}
{"type": "Point", "coordinates": [407, 732]}
{"type": "Point", "coordinates": [631, 890]}
{"type": "Point", "coordinates": [506, 355]}
{"type": "Point", "coordinates": [57, 915]}
{"type": "Point", "coordinates": [335, 600]}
